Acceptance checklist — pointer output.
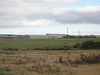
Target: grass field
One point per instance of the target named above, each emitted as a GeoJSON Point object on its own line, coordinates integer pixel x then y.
{"type": "Point", "coordinates": [45, 63]}
{"type": "Point", "coordinates": [7, 43]}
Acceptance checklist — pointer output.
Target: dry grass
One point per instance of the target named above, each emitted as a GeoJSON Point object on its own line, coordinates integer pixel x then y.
{"type": "Point", "coordinates": [45, 63]}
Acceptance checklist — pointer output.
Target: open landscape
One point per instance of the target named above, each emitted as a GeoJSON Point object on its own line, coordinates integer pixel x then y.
{"type": "Point", "coordinates": [49, 37]}
{"type": "Point", "coordinates": [19, 57]}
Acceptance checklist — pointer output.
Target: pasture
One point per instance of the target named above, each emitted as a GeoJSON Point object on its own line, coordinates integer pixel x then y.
{"type": "Point", "coordinates": [23, 44]}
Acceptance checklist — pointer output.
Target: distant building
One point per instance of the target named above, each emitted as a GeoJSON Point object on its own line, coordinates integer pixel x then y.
{"type": "Point", "coordinates": [47, 36]}
{"type": "Point", "coordinates": [41, 37]}
{"type": "Point", "coordinates": [57, 35]}
{"type": "Point", "coordinates": [7, 36]}
{"type": "Point", "coordinates": [14, 37]}
{"type": "Point", "coordinates": [97, 36]}
{"type": "Point", "coordinates": [22, 37]}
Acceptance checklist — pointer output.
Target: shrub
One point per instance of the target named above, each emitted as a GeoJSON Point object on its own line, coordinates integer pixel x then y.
{"type": "Point", "coordinates": [90, 45]}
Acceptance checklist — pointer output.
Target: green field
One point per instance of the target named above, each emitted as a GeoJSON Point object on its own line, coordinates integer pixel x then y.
{"type": "Point", "coordinates": [12, 43]}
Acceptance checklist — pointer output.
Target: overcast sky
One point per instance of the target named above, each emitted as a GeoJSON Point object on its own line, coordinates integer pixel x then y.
{"type": "Point", "coordinates": [50, 16]}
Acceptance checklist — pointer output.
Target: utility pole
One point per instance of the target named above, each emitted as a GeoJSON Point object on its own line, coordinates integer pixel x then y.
{"type": "Point", "coordinates": [67, 31]}
{"type": "Point", "coordinates": [79, 32]}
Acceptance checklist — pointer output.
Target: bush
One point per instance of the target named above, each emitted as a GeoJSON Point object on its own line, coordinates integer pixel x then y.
{"type": "Point", "coordinates": [90, 45]}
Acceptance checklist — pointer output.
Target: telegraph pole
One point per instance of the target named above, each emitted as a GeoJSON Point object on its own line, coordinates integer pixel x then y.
{"type": "Point", "coordinates": [79, 32]}
{"type": "Point", "coordinates": [67, 31]}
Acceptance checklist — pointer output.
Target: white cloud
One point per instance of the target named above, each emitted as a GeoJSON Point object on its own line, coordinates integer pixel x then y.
{"type": "Point", "coordinates": [49, 2]}
{"type": "Point", "coordinates": [90, 32]}
{"type": "Point", "coordinates": [88, 9]}
{"type": "Point", "coordinates": [40, 22]}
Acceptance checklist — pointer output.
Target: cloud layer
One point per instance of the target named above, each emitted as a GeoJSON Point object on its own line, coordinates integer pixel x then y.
{"type": "Point", "coordinates": [20, 13]}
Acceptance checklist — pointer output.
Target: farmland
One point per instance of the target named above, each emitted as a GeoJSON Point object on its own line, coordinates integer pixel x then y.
{"type": "Point", "coordinates": [31, 44]}
{"type": "Point", "coordinates": [19, 57]}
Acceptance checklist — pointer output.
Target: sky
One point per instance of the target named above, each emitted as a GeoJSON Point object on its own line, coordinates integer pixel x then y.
{"type": "Point", "coordinates": [50, 16]}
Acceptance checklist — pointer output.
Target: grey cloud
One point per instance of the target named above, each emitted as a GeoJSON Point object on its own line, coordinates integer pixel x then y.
{"type": "Point", "coordinates": [14, 12]}
{"type": "Point", "coordinates": [67, 16]}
